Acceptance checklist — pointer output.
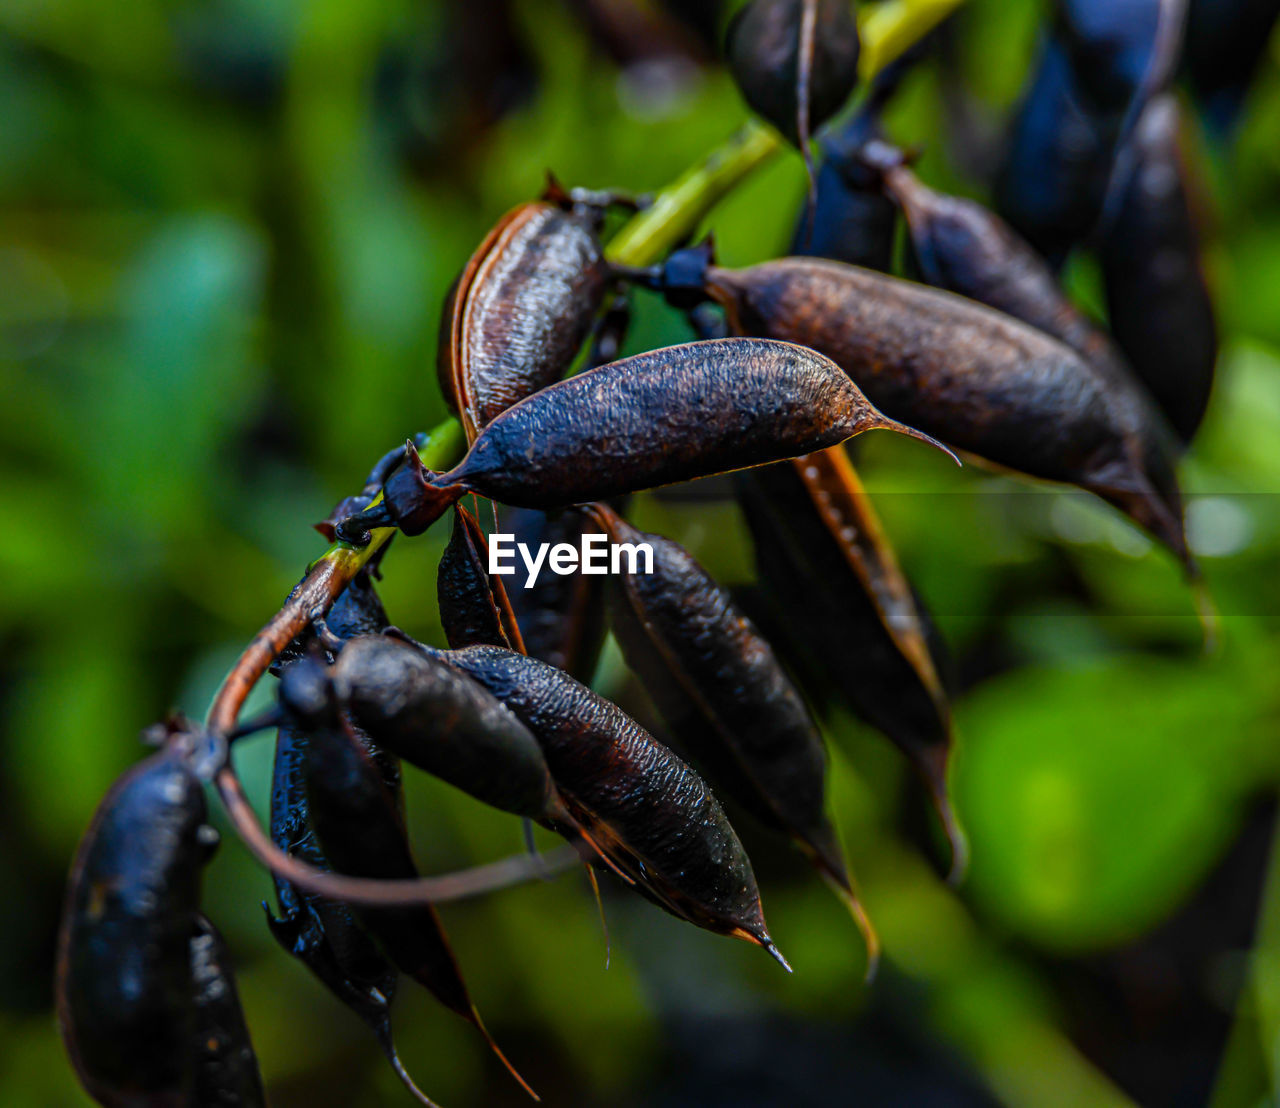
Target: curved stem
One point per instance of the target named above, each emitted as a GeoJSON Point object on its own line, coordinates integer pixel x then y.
{"type": "Point", "coordinates": [515, 870]}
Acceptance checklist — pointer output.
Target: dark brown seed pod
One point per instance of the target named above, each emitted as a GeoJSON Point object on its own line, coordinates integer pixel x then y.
{"type": "Point", "coordinates": [728, 700]}
{"type": "Point", "coordinates": [521, 308]}
{"type": "Point", "coordinates": [977, 379]}
{"type": "Point", "coordinates": [442, 721]}
{"type": "Point", "coordinates": [361, 830]}
{"type": "Point", "coordinates": [561, 616]}
{"type": "Point", "coordinates": [650, 813]}
{"type": "Point", "coordinates": [474, 607]}
{"type": "Point", "coordinates": [226, 1069]}
{"type": "Point", "coordinates": [124, 982]}
{"type": "Point", "coordinates": [1158, 302]}
{"type": "Point", "coordinates": [652, 419]}
{"type": "Point", "coordinates": [849, 613]}
{"type": "Point", "coordinates": [795, 61]}
{"type": "Point", "coordinates": [960, 246]}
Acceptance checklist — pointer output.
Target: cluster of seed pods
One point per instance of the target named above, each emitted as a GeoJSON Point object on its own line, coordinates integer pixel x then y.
{"type": "Point", "coordinates": [993, 361]}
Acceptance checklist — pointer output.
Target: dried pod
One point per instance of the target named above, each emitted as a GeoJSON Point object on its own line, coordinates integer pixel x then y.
{"type": "Point", "coordinates": [653, 419]}
{"type": "Point", "coordinates": [960, 246]}
{"type": "Point", "coordinates": [124, 982]}
{"type": "Point", "coordinates": [727, 699]}
{"type": "Point", "coordinates": [325, 935]}
{"type": "Point", "coordinates": [226, 1069]}
{"type": "Point", "coordinates": [561, 616]}
{"type": "Point", "coordinates": [849, 614]}
{"type": "Point", "coordinates": [1114, 45]}
{"type": "Point", "coordinates": [521, 308]}
{"type": "Point", "coordinates": [795, 61]}
{"type": "Point", "coordinates": [1225, 42]}
{"type": "Point", "coordinates": [442, 721]}
{"type": "Point", "coordinates": [1157, 299]}
{"type": "Point", "coordinates": [360, 828]}
{"type": "Point", "coordinates": [651, 813]}
{"type": "Point", "coordinates": [1052, 181]}
{"type": "Point", "coordinates": [474, 607]}
{"type": "Point", "coordinates": [977, 379]}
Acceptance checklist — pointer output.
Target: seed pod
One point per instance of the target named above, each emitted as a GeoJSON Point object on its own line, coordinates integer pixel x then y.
{"type": "Point", "coordinates": [474, 607]}
{"type": "Point", "coordinates": [124, 983]}
{"type": "Point", "coordinates": [795, 61]}
{"type": "Point", "coordinates": [848, 612]}
{"type": "Point", "coordinates": [1052, 181]}
{"type": "Point", "coordinates": [1157, 300]}
{"type": "Point", "coordinates": [521, 308]}
{"type": "Point", "coordinates": [960, 246]}
{"type": "Point", "coordinates": [226, 1069]}
{"type": "Point", "coordinates": [325, 935]}
{"type": "Point", "coordinates": [977, 379]}
{"type": "Point", "coordinates": [443, 722]}
{"type": "Point", "coordinates": [1225, 42]}
{"type": "Point", "coordinates": [561, 616]}
{"type": "Point", "coordinates": [649, 811]}
{"type": "Point", "coordinates": [728, 700]}
{"type": "Point", "coordinates": [361, 830]}
{"type": "Point", "coordinates": [1112, 46]}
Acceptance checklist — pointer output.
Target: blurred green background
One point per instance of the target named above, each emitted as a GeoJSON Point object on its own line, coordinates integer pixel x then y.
{"type": "Point", "coordinates": [225, 233]}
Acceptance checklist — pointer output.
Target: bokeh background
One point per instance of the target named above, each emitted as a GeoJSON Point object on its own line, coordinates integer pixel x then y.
{"type": "Point", "coordinates": [225, 232]}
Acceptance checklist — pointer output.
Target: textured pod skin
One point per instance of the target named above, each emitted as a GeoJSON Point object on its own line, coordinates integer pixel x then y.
{"type": "Point", "coordinates": [1159, 305]}
{"type": "Point", "coordinates": [658, 418]}
{"type": "Point", "coordinates": [977, 379]}
{"type": "Point", "coordinates": [1053, 178]}
{"type": "Point", "coordinates": [1224, 44]}
{"type": "Point", "coordinates": [474, 607]}
{"type": "Point", "coordinates": [768, 54]}
{"type": "Point", "coordinates": [520, 310]}
{"type": "Point", "coordinates": [847, 612]}
{"type": "Point", "coordinates": [724, 693]}
{"type": "Point", "coordinates": [226, 1068]}
{"type": "Point", "coordinates": [443, 722]}
{"type": "Point", "coordinates": [650, 811]}
{"type": "Point", "coordinates": [124, 986]}
{"type": "Point", "coordinates": [960, 246]}
{"type": "Point", "coordinates": [561, 617]}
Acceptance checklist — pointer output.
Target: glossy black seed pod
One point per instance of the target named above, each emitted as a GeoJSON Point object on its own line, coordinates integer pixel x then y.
{"type": "Point", "coordinates": [1052, 181]}
{"type": "Point", "coordinates": [649, 811]}
{"type": "Point", "coordinates": [1158, 301]}
{"type": "Point", "coordinates": [125, 986]}
{"type": "Point", "coordinates": [226, 1069]}
{"type": "Point", "coordinates": [442, 721]}
{"type": "Point", "coordinates": [795, 61]}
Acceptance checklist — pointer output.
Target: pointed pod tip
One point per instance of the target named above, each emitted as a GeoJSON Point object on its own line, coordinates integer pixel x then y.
{"type": "Point", "coordinates": [888, 424]}
{"type": "Point", "coordinates": [843, 888]}
{"type": "Point", "coordinates": [479, 1023]}
{"type": "Point", "coordinates": [393, 1058]}
{"type": "Point", "coordinates": [1209, 616]}
{"type": "Point", "coordinates": [775, 953]}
